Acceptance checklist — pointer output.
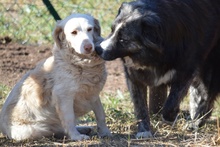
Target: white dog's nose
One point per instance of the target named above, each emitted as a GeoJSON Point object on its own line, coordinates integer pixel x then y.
{"type": "Point", "coordinates": [88, 48]}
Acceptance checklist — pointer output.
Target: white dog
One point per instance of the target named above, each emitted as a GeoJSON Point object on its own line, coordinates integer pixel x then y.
{"type": "Point", "coordinates": [48, 99]}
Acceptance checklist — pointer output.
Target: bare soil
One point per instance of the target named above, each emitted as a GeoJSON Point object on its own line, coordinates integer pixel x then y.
{"type": "Point", "coordinates": [17, 59]}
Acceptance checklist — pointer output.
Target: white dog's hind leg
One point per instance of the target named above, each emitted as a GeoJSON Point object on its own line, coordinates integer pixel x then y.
{"type": "Point", "coordinates": [100, 118]}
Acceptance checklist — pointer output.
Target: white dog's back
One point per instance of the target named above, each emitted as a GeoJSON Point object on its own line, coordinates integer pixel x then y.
{"type": "Point", "coordinates": [27, 111]}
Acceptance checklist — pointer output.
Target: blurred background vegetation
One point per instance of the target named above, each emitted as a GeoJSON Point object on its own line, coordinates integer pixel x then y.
{"type": "Point", "coordinates": [29, 21]}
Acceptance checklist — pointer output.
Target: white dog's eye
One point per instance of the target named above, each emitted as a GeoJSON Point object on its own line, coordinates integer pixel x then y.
{"type": "Point", "coordinates": [74, 32]}
{"type": "Point", "coordinates": [89, 29]}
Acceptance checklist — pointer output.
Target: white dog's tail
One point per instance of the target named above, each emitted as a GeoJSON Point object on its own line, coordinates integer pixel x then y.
{"type": "Point", "coordinates": [22, 132]}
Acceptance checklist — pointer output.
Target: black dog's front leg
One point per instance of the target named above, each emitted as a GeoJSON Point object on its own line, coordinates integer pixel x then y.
{"type": "Point", "coordinates": [178, 91]}
{"type": "Point", "coordinates": [138, 94]}
{"type": "Point", "coordinates": [157, 97]}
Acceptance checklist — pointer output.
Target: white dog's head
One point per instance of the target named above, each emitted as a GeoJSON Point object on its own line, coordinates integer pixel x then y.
{"type": "Point", "coordinates": [80, 31]}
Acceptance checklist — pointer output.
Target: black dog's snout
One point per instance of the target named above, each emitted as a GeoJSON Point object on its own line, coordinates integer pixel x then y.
{"type": "Point", "coordinates": [107, 55]}
{"type": "Point", "coordinates": [99, 50]}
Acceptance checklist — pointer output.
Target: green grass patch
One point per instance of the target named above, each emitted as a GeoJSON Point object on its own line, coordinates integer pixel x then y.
{"type": "Point", "coordinates": [216, 111]}
{"type": "Point", "coordinates": [123, 125]}
{"type": "Point", "coordinates": [4, 90]}
{"type": "Point", "coordinates": [118, 109]}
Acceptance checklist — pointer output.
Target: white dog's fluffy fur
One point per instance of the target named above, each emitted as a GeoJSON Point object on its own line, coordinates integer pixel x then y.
{"type": "Point", "coordinates": [48, 99]}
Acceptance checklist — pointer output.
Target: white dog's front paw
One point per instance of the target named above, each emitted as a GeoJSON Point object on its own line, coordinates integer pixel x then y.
{"type": "Point", "coordinates": [104, 132]}
{"type": "Point", "coordinates": [80, 137]}
{"type": "Point", "coordinates": [146, 134]}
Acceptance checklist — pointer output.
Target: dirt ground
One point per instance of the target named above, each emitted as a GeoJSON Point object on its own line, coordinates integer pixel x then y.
{"type": "Point", "coordinates": [17, 59]}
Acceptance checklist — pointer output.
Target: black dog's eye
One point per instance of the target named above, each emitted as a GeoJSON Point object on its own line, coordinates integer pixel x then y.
{"type": "Point", "coordinates": [121, 40]}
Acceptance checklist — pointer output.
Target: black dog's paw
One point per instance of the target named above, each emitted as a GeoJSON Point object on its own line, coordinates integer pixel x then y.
{"type": "Point", "coordinates": [194, 125]}
{"type": "Point", "coordinates": [169, 115]}
{"type": "Point", "coordinates": [144, 130]}
{"type": "Point", "coordinates": [146, 134]}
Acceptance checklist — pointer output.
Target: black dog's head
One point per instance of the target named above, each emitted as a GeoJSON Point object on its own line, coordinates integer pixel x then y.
{"type": "Point", "coordinates": [135, 29]}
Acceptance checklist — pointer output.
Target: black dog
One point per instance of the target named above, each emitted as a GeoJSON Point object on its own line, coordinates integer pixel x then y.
{"type": "Point", "coordinates": [168, 42]}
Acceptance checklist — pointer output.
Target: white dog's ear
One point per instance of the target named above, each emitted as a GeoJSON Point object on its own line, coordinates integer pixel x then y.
{"type": "Point", "coordinates": [58, 35]}
{"type": "Point", "coordinates": [97, 31]}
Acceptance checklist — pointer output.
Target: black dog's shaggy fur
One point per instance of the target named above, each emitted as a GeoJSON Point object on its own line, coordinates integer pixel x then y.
{"type": "Point", "coordinates": [175, 42]}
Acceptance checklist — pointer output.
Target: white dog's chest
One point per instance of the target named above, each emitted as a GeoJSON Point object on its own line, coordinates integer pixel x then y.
{"type": "Point", "coordinates": [87, 93]}
{"type": "Point", "coordinates": [83, 102]}
{"type": "Point", "coordinates": [92, 80]}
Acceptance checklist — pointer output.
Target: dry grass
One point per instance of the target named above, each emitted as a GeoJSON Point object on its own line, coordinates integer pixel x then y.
{"type": "Point", "coordinates": [122, 123]}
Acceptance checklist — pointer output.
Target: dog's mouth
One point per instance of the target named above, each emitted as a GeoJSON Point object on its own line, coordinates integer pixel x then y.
{"type": "Point", "coordinates": [92, 56]}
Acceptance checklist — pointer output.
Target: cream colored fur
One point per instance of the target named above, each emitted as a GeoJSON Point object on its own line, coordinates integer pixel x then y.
{"type": "Point", "coordinates": [48, 100]}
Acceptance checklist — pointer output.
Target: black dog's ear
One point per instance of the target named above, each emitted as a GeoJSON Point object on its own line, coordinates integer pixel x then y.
{"type": "Point", "coordinates": [151, 28]}
{"type": "Point", "coordinates": [121, 7]}
{"type": "Point", "coordinates": [58, 34]}
{"type": "Point", "coordinates": [151, 19]}
{"type": "Point", "coordinates": [97, 32]}
{"type": "Point", "coordinates": [124, 4]}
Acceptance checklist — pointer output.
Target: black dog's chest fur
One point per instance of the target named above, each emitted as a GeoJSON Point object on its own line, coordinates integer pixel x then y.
{"type": "Point", "coordinates": [149, 76]}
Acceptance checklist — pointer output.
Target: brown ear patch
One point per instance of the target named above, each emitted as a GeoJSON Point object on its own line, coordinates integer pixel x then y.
{"type": "Point", "coordinates": [58, 36]}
